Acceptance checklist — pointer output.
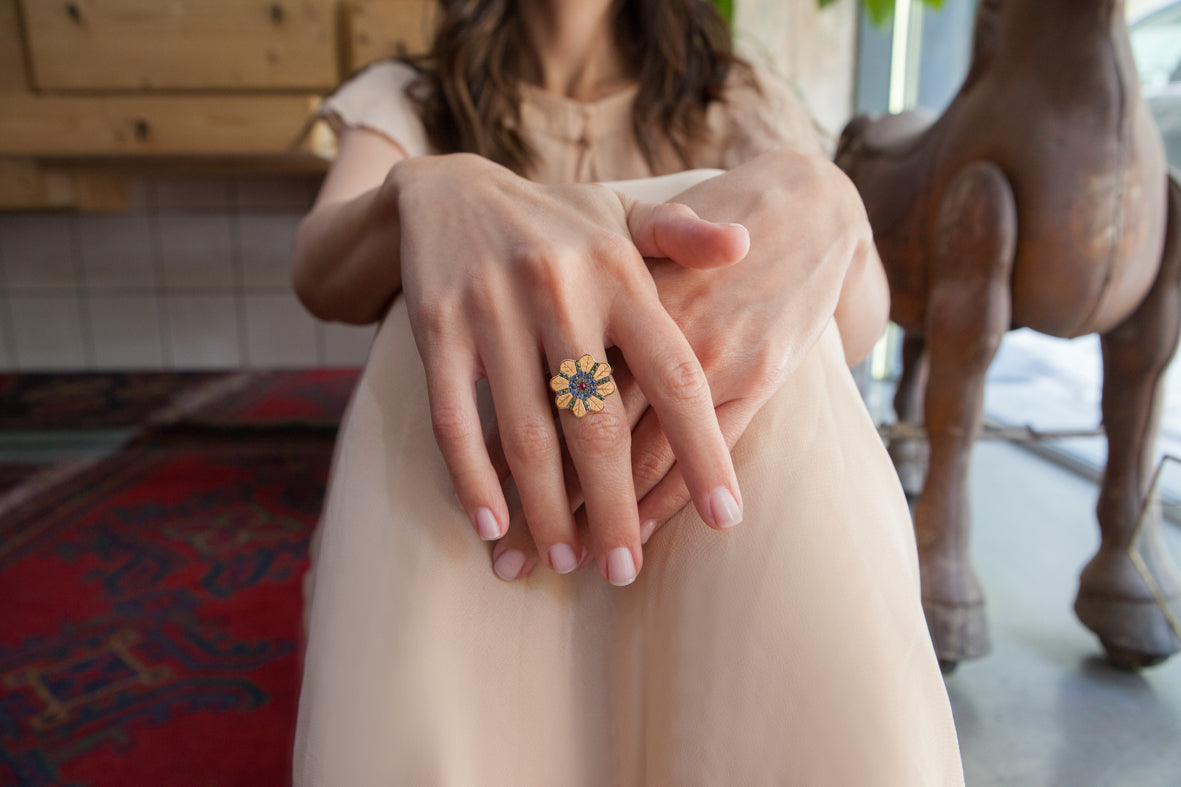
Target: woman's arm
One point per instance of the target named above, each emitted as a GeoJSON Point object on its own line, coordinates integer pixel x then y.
{"type": "Point", "coordinates": [347, 265]}
{"type": "Point", "coordinates": [505, 278]}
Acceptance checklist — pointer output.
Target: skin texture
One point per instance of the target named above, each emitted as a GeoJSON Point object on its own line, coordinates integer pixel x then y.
{"type": "Point", "coordinates": [512, 265]}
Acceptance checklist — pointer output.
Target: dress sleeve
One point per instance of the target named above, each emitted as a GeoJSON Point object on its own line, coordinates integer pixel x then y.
{"type": "Point", "coordinates": [757, 116]}
{"type": "Point", "coordinates": [375, 99]}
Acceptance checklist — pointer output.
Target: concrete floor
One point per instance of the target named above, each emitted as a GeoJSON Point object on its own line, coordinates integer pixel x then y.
{"type": "Point", "coordinates": [1043, 708]}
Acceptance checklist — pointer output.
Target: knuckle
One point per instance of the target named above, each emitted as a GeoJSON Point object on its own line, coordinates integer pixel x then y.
{"type": "Point", "coordinates": [684, 381]}
{"type": "Point", "coordinates": [542, 265]}
{"type": "Point", "coordinates": [768, 371]}
{"type": "Point", "coordinates": [452, 423]}
{"type": "Point", "coordinates": [436, 317]}
{"type": "Point", "coordinates": [614, 249]}
{"type": "Point", "coordinates": [649, 466]}
{"type": "Point", "coordinates": [529, 442]}
{"type": "Point", "coordinates": [599, 433]}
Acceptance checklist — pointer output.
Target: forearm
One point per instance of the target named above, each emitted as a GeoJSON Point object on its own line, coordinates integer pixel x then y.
{"type": "Point", "coordinates": [346, 264]}
{"type": "Point", "coordinates": [864, 306]}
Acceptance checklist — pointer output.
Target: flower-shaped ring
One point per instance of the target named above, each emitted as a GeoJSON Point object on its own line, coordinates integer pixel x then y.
{"type": "Point", "coordinates": [582, 385]}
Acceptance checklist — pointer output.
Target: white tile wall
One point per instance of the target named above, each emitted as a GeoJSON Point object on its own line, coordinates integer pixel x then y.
{"type": "Point", "coordinates": [267, 240]}
{"type": "Point", "coordinates": [7, 340]}
{"type": "Point", "coordinates": [37, 252]}
{"type": "Point", "coordinates": [195, 274]}
{"type": "Point", "coordinates": [203, 331]}
{"type": "Point", "coordinates": [126, 331]}
{"type": "Point", "coordinates": [279, 332]}
{"type": "Point", "coordinates": [346, 345]}
{"type": "Point", "coordinates": [117, 252]}
{"type": "Point", "coordinates": [48, 332]}
{"type": "Point", "coordinates": [196, 251]}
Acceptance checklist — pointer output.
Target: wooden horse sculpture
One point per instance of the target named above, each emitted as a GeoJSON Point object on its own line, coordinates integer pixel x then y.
{"type": "Point", "coordinates": [1041, 199]}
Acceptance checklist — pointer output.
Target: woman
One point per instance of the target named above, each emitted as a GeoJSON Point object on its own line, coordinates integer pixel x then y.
{"type": "Point", "coordinates": [791, 649]}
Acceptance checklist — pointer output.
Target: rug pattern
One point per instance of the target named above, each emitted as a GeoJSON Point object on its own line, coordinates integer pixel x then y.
{"type": "Point", "coordinates": [90, 400]}
{"type": "Point", "coordinates": [151, 616]}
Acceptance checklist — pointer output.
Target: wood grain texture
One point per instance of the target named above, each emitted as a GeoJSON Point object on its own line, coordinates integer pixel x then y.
{"type": "Point", "coordinates": [157, 125]}
{"type": "Point", "coordinates": [181, 44]}
{"type": "Point", "coordinates": [376, 29]}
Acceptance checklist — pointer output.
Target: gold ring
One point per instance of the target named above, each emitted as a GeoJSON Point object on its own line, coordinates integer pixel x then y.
{"type": "Point", "coordinates": [582, 385]}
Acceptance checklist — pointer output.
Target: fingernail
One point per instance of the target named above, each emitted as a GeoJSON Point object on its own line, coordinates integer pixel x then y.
{"type": "Point", "coordinates": [621, 569]}
{"type": "Point", "coordinates": [724, 508]}
{"type": "Point", "coordinates": [486, 525]}
{"type": "Point", "coordinates": [508, 566]}
{"type": "Point", "coordinates": [646, 530]}
{"type": "Point", "coordinates": [562, 558]}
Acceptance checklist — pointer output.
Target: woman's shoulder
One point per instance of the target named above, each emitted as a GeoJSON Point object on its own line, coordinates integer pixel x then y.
{"type": "Point", "coordinates": [375, 98]}
{"type": "Point", "coordinates": [759, 111]}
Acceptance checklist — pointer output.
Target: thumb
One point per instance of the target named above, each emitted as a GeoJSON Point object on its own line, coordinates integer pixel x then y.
{"type": "Point", "coordinates": [675, 231]}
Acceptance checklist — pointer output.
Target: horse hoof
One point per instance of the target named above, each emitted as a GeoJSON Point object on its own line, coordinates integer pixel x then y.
{"type": "Point", "coordinates": [958, 632]}
{"type": "Point", "coordinates": [1136, 633]}
{"type": "Point", "coordinates": [1131, 660]}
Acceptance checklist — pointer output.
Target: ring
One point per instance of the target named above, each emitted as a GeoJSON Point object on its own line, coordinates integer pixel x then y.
{"type": "Point", "coordinates": [582, 385]}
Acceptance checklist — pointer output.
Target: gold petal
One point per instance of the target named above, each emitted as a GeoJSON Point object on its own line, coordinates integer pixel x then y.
{"type": "Point", "coordinates": [586, 363]}
{"type": "Point", "coordinates": [569, 368]}
{"type": "Point", "coordinates": [594, 404]}
{"type": "Point", "coordinates": [579, 408]}
{"type": "Point", "coordinates": [563, 399]}
{"type": "Point", "coordinates": [605, 388]}
{"type": "Point", "coordinates": [559, 383]}
{"type": "Point", "coordinates": [602, 371]}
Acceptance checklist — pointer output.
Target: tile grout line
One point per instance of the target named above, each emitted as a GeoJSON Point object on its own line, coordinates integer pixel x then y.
{"type": "Point", "coordinates": [156, 240]}
{"type": "Point", "coordinates": [82, 293]}
{"type": "Point", "coordinates": [6, 321]}
{"type": "Point", "coordinates": [239, 275]}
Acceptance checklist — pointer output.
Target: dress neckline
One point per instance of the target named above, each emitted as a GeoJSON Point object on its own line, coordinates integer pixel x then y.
{"type": "Point", "coordinates": [542, 97]}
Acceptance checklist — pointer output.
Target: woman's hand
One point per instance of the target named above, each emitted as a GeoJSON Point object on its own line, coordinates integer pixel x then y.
{"type": "Point", "coordinates": [751, 324]}
{"type": "Point", "coordinates": [505, 279]}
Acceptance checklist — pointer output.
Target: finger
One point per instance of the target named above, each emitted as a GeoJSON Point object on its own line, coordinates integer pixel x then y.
{"type": "Point", "coordinates": [529, 436]}
{"type": "Point", "coordinates": [495, 450]}
{"type": "Point", "coordinates": [515, 555]}
{"type": "Point", "coordinates": [634, 403]}
{"type": "Point", "coordinates": [673, 381]}
{"type": "Point", "coordinates": [598, 436]}
{"type": "Point", "coordinates": [675, 231]}
{"type": "Point", "coordinates": [456, 423]}
{"type": "Point", "coordinates": [660, 501]}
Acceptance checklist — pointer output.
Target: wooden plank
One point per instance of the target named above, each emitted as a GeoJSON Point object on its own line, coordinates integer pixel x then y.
{"type": "Point", "coordinates": [182, 44]}
{"type": "Point", "coordinates": [99, 192]}
{"type": "Point", "coordinates": [25, 186]}
{"type": "Point", "coordinates": [377, 29]}
{"type": "Point", "coordinates": [258, 125]}
{"type": "Point", "coordinates": [12, 51]}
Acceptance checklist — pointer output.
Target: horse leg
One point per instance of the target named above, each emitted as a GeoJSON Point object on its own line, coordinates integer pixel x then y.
{"type": "Point", "coordinates": [968, 311]}
{"type": "Point", "coordinates": [911, 455]}
{"type": "Point", "coordinates": [1115, 600]}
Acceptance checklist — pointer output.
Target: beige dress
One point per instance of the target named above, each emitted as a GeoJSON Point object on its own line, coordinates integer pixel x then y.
{"type": "Point", "coordinates": [791, 650]}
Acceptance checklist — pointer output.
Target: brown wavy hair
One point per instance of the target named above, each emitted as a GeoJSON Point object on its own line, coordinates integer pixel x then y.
{"type": "Point", "coordinates": [468, 89]}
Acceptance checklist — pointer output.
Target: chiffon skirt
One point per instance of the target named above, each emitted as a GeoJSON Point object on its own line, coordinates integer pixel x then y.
{"type": "Point", "coordinates": [790, 650]}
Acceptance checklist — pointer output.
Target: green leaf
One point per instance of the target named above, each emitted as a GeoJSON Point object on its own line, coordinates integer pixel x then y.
{"type": "Point", "coordinates": [726, 8]}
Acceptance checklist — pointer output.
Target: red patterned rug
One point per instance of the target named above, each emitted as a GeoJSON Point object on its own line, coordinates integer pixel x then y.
{"type": "Point", "coordinates": [304, 398]}
{"type": "Point", "coordinates": [90, 400]}
{"type": "Point", "coordinates": [151, 614]}
{"type": "Point", "coordinates": [13, 474]}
